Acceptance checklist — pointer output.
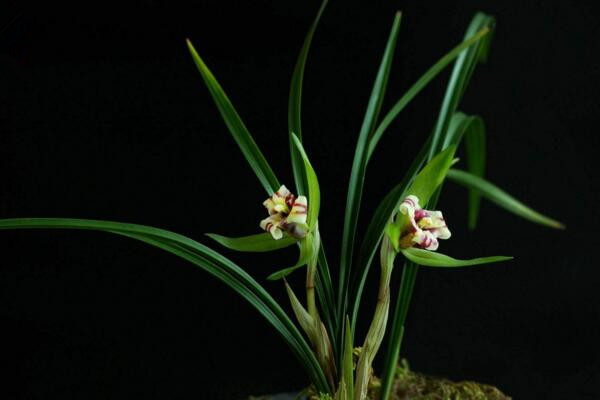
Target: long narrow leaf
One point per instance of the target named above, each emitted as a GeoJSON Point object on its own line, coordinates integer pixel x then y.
{"type": "Point", "coordinates": [475, 145]}
{"type": "Point", "coordinates": [347, 363]}
{"type": "Point", "coordinates": [461, 75]}
{"type": "Point", "coordinates": [237, 128]}
{"type": "Point", "coordinates": [434, 259]}
{"type": "Point", "coordinates": [326, 297]}
{"type": "Point", "coordinates": [501, 198]}
{"type": "Point", "coordinates": [419, 85]}
{"type": "Point", "coordinates": [295, 103]}
{"type": "Point", "coordinates": [261, 242]}
{"type": "Point", "coordinates": [314, 192]}
{"type": "Point", "coordinates": [472, 128]}
{"type": "Point", "coordinates": [359, 165]}
{"type": "Point", "coordinates": [207, 259]}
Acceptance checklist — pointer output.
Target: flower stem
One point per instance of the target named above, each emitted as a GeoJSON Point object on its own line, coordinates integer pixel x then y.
{"type": "Point", "coordinates": [377, 329]}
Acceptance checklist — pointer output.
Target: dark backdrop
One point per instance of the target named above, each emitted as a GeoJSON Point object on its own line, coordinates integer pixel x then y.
{"type": "Point", "coordinates": [103, 115]}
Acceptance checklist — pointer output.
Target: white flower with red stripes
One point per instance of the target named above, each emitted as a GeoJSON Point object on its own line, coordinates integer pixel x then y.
{"type": "Point", "coordinates": [286, 214]}
{"type": "Point", "coordinates": [425, 227]}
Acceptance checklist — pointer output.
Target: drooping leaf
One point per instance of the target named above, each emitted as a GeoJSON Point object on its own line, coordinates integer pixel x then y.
{"type": "Point", "coordinates": [295, 103]}
{"type": "Point", "coordinates": [237, 128]}
{"type": "Point", "coordinates": [501, 198]}
{"type": "Point", "coordinates": [314, 193]}
{"type": "Point", "coordinates": [205, 258]}
{"type": "Point", "coordinates": [434, 259]}
{"type": "Point", "coordinates": [359, 165]}
{"type": "Point", "coordinates": [261, 242]}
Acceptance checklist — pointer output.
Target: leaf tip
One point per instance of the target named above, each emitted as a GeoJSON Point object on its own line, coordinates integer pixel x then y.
{"type": "Point", "coordinates": [274, 277]}
{"type": "Point", "coordinates": [558, 225]}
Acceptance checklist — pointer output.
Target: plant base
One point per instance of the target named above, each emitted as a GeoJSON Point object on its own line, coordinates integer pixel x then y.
{"type": "Point", "coordinates": [410, 385]}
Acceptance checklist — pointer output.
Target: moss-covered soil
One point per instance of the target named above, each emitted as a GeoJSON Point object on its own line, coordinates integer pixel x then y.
{"type": "Point", "coordinates": [411, 385]}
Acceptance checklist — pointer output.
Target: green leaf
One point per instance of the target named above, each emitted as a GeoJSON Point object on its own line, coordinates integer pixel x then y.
{"type": "Point", "coordinates": [475, 144]}
{"type": "Point", "coordinates": [431, 176]}
{"type": "Point", "coordinates": [501, 198]}
{"type": "Point", "coordinates": [237, 128]}
{"type": "Point", "coordinates": [407, 283]}
{"type": "Point", "coordinates": [460, 77]}
{"type": "Point", "coordinates": [295, 102]}
{"type": "Point", "coordinates": [433, 259]}
{"type": "Point", "coordinates": [326, 297]}
{"type": "Point", "coordinates": [314, 193]}
{"type": "Point", "coordinates": [472, 128]}
{"type": "Point", "coordinates": [205, 258]}
{"type": "Point", "coordinates": [359, 165]}
{"type": "Point", "coordinates": [347, 364]}
{"type": "Point", "coordinates": [254, 243]}
{"type": "Point", "coordinates": [307, 252]}
{"type": "Point", "coordinates": [419, 85]}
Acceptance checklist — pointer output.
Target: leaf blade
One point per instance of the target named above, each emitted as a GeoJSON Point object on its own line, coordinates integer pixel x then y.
{"type": "Point", "coordinates": [419, 85]}
{"type": "Point", "coordinates": [295, 103]}
{"type": "Point", "coordinates": [359, 165]}
{"type": "Point", "coordinates": [236, 126]}
{"type": "Point", "coordinates": [433, 259]}
{"type": "Point", "coordinates": [307, 252]}
{"type": "Point", "coordinates": [204, 257]}
{"type": "Point", "coordinates": [261, 242]}
{"type": "Point", "coordinates": [498, 196]}
{"type": "Point", "coordinates": [314, 191]}
{"type": "Point", "coordinates": [472, 129]}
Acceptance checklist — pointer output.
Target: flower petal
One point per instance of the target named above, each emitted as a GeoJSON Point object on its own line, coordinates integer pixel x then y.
{"type": "Point", "coordinates": [282, 200]}
{"type": "Point", "coordinates": [409, 206]}
{"type": "Point", "coordinates": [298, 213]}
{"type": "Point", "coordinates": [425, 240]}
{"type": "Point", "coordinates": [272, 224]}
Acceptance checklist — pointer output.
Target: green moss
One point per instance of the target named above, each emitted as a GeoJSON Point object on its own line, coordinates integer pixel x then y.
{"type": "Point", "coordinates": [411, 385]}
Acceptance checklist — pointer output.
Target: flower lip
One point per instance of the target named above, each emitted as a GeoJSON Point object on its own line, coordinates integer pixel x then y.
{"type": "Point", "coordinates": [426, 226]}
{"type": "Point", "coordinates": [286, 214]}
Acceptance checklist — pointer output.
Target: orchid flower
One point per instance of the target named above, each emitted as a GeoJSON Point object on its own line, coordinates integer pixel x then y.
{"type": "Point", "coordinates": [425, 228]}
{"type": "Point", "coordinates": [286, 214]}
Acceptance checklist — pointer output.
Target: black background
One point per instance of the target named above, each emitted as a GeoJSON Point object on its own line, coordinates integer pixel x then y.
{"type": "Point", "coordinates": [103, 115]}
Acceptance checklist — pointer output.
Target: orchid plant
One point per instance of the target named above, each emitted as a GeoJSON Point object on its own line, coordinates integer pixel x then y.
{"type": "Point", "coordinates": [405, 224]}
